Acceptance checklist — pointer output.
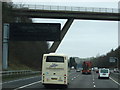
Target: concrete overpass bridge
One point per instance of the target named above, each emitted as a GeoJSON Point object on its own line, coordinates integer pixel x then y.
{"type": "Point", "coordinates": [66, 12]}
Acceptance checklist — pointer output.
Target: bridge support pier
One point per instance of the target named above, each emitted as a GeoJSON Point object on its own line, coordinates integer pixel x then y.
{"type": "Point", "coordinates": [64, 30]}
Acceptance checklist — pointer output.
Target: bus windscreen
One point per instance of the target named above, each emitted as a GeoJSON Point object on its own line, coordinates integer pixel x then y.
{"type": "Point", "coordinates": [55, 59]}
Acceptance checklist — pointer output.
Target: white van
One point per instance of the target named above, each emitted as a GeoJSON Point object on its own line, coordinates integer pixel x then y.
{"type": "Point", "coordinates": [55, 69]}
{"type": "Point", "coordinates": [104, 73]}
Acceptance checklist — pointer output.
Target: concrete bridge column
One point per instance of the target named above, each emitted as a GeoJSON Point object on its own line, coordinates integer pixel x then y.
{"type": "Point", "coordinates": [64, 30]}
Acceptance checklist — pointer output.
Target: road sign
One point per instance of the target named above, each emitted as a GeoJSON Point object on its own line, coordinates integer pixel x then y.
{"type": "Point", "coordinates": [35, 32]}
{"type": "Point", "coordinates": [112, 59]}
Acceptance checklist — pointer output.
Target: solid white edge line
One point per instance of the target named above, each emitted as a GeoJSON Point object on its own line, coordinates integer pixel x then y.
{"type": "Point", "coordinates": [18, 80]}
{"type": "Point", "coordinates": [114, 81]}
{"type": "Point", "coordinates": [27, 85]}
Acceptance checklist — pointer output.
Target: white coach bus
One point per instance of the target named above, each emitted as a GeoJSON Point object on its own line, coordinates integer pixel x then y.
{"type": "Point", "coordinates": [55, 70]}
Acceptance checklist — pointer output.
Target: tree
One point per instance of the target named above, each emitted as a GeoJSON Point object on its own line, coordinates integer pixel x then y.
{"type": "Point", "coordinates": [103, 60]}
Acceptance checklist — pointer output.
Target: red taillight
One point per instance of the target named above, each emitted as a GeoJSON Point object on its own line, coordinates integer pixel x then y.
{"type": "Point", "coordinates": [64, 81]}
{"type": "Point", "coordinates": [65, 75]}
{"type": "Point", "coordinates": [65, 78]}
{"type": "Point", "coordinates": [43, 78]}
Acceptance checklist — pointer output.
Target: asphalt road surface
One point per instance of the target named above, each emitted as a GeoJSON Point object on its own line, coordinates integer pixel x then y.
{"type": "Point", "coordinates": [76, 80]}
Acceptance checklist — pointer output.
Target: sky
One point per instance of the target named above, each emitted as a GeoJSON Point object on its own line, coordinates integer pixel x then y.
{"type": "Point", "coordinates": [85, 38]}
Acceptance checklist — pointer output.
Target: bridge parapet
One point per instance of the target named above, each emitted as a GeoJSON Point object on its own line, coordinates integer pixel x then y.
{"type": "Point", "coordinates": [67, 8]}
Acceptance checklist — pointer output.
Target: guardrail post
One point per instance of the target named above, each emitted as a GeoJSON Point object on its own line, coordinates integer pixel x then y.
{"type": "Point", "coordinates": [57, 7]}
{"type": "Point", "coordinates": [43, 7]}
{"type": "Point", "coordinates": [112, 10]}
{"type": "Point", "coordinates": [106, 9]}
{"type": "Point", "coordinates": [50, 7]}
{"type": "Point", "coordinates": [93, 9]}
{"type": "Point", "coordinates": [99, 9]}
{"type": "Point", "coordinates": [78, 8]}
{"type": "Point", "coordinates": [85, 9]}
{"type": "Point", "coordinates": [28, 5]}
{"type": "Point", "coordinates": [71, 8]}
{"type": "Point", "coordinates": [35, 6]}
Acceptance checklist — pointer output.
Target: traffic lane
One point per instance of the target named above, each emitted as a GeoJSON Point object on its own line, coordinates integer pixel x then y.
{"type": "Point", "coordinates": [104, 82]}
{"type": "Point", "coordinates": [82, 81]}
{"type": "Point", "coordinates": [39, 85]}
{"type": "Point", "coordinates": [77, 80]}
{"type": "Point", "coordinates": [23, 82]}
{"type": "Point", "coordinates": [73, 75]}
{"type": "Point", "coordinates": [20, 82]}
{"type": "Point", "coordinates": [115, 76]}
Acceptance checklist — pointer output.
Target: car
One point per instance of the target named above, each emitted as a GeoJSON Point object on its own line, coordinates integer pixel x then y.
{"type": "Point", "coordinates": [78, 70]}
{"type": "Point", "coordinates": [72, 67]}
{"type": "Point", "coordinates": [96, 69]}
{"type": "Point", "coordinates": [103, 73]}
{"type": "Point", "coordinates": [116, 70]}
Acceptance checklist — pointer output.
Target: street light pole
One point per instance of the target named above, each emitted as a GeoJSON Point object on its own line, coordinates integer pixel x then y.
{"type": "Point", "coordinates": [5, 46]}
{"type": "Point", "coordinates": [117, 62]}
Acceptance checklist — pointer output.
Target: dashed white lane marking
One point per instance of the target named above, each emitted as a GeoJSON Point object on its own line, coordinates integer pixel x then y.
{"type": "Point", "coordinates": [72, 79]}
{"type": "Point", "coordinates": [115, 81]}
{"type": "Point", "coordinates": [93, 81]}
{"type": "Point", "coordinates": [94, 86]}
{"type": "Point", "coordinates": [27, 85]}
{"type": "Point", "coordinates": [19, 80]}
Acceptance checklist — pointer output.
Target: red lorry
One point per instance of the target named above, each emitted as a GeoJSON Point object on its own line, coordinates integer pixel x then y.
{"type": "Point", "coordinates": [86, 67]}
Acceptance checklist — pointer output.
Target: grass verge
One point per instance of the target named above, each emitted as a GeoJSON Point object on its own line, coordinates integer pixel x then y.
{"type": "Point", "coordinates": [15, 77]}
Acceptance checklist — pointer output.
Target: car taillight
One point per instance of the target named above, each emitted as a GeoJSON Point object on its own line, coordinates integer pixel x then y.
{"type": "Point", "coordinates": [65, 78]}
{"type": "Point", "coordinates": [43, 78]}
{"type": "Point", "coordinates": [64, 81]}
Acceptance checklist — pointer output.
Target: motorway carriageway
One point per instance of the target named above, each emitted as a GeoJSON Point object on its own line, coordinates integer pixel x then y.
{"type": "Point", "coordinates": [76, 80]}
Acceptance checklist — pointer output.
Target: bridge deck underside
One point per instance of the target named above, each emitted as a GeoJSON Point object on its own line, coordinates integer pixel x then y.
{"type": "Point", "coordinates": [67, 14]}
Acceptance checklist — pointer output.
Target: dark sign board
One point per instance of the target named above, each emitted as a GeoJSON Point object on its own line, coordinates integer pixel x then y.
{"type": "Point", "coordinates": [35, 32]}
